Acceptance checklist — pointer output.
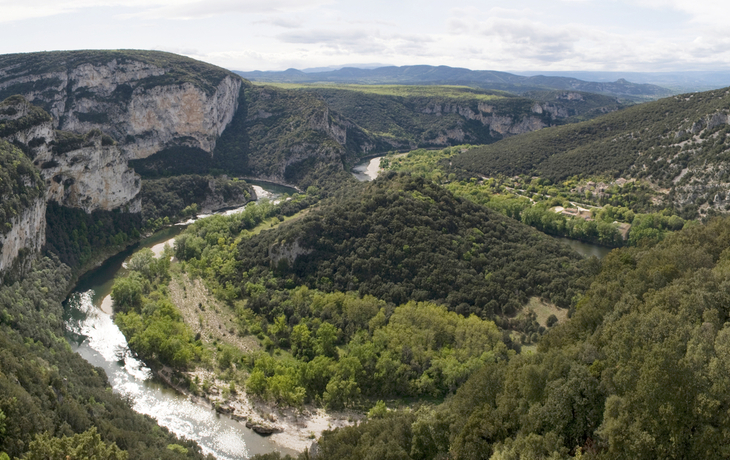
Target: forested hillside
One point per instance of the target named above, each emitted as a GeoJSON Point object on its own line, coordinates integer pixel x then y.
{"type": "Point", "coordinates": [679, 143]}
{"type": "Point", "coordinates": [639, 372]}
{"type": "Point", "coordinates": [393, 288]}
{"type": "Point", "coordinates": [404, 239]}
{"type": "Point", "coordinates": [48, 391]}
{"type": "Point", "coordinates": [410, 116]}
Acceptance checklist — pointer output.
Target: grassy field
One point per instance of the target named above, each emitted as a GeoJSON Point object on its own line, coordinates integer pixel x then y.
{"type": "Point", "coordinates": [273, 222]}
{"type": "Point", "coordinates": [448, 91]}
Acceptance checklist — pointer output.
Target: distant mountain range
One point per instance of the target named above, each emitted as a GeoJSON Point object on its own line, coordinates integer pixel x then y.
{"type": "Point", "coordinates": [444, 75]}
{"type": "Point", "coordinates": [688, 81]}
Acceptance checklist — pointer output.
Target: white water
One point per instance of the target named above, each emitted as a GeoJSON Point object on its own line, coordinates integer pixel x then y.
{"type": "Point", "coordinates": [98, 340]}
{"type": "Point", "coordinates": [101, 343]}
{"type": "Point", "coordinates": [367, 170]}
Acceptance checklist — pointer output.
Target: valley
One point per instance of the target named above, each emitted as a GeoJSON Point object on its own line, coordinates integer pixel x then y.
{"type": "Point", "coordinates": [398, 263]}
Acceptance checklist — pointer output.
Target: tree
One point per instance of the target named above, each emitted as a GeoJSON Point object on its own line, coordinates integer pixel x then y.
{"type": "Point", "coordinates": [127, 292]}
{"type": "Point", "coordinates": [85, 446]}
{"type": "Point", "coordinates": [326, 338]}
{"type": "Point", "coordinates": [301, 342]}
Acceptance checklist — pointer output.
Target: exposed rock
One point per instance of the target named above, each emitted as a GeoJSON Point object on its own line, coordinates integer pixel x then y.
{"type": "Point", "coordinates": [314, 451]}
{"type": "Point", "coordinates": [90, 178]}
{"type": "Point", "coordinates": [286, 251]}
{"type": "Point", "coordinates": [717, 119]}
{"type": "Point", "coordinates": [144, 120]}
{"type": "Point", "coordinates": [264, 429]}
{"type": "Point", "coordinates": [215, 200]}
{"type": "Point", "coordinates": [502, 125]}
{"type": "Point", "coordinates": [224, 409]}
{"type": "Point", "coordinates": [28, 232]}
{"type": "Point", "coordinates": [95, 176]}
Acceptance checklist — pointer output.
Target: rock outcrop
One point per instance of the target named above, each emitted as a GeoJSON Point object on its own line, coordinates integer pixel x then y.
{"type": "Point", "coordinates": [144, 106]}
{"type": "Point", "coordinates": [286, 252]}
{"type": "Point", "coordinates": [27, 233]}
{"type": "Point", "coordinates": [87, 172]}
{"type": "Point", "coordinates": [500, 124]}
{"type": "Point", "coordinates": [92, 177]}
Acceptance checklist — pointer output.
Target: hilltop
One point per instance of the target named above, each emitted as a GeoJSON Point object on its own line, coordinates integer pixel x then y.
{"type": "Point", "coordinates": [412, 116]}
{"type": "Point", "coordinates": [444, 75]}
{"type": "Point", "coordinates": [679, 143]}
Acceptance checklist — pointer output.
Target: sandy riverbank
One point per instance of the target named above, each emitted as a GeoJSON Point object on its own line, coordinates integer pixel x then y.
{"type": "Point", "coordinates": [292, 428]}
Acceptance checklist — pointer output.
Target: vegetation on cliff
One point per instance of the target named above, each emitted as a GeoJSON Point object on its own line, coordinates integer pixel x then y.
{"type": "Point", "coordinates": [679, 143]}
{"type": "Point", "coordinates": [11, 124]}
{"type": "Point", "coordinates": [20, 184]}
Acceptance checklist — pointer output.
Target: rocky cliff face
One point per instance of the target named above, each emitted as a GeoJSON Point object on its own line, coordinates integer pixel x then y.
{"type": "Point", "coordinates": [92, 177]}
{"type": "Point", "coordinates": [499, 124]}
{"type": "Point", "coordinates": [132, 101]}
{"type": "Point", "coordinates": [89, 175]}
{"type": "Point", "coordinates": [27, 233]}
{"type": "Point", "coordinates": [287, 129]}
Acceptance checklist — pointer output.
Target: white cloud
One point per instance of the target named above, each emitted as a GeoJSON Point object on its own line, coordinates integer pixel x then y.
{"type": "Point", "coordinates": [12, 10]}
{"type": "Point", "coordinates": [478, 34]}
{"type": "Point", "coordinates": [210, 8]}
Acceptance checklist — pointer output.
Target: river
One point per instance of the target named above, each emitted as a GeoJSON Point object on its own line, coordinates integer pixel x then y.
{"type": "Point", "coordinates": [93, 334]}
{"type": "Point", "coordinates": [367, 170]}
{"type": "Point", "coordinates": [585, 249]}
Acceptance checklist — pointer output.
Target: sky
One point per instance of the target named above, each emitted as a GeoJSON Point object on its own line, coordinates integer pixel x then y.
{"type": "Point", "coordinates": [516, 35]}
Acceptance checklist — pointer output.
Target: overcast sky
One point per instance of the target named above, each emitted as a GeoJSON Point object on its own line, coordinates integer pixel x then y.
{"type": "Point", "coordinates": [607, 35]}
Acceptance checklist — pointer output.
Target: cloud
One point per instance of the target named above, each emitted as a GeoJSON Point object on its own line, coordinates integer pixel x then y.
{"type": "Point", "coordinates": [360, 42]}
{"type": "Point", "coordinates": [324, 36]}
{"type": "Point", "coordinates": [12, 10]}
{"type": "Point", "coordinates": [281, 22]}
{"type": "Point", "coordinates": [209, 8]}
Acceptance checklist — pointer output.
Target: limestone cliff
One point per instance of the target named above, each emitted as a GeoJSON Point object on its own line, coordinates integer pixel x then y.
{"type": "Point", "coordinates": [87, 172]}
{"type": "Point", "coordinates": [146, 101]}
{"type": "Point", "coordinates": [95, 176]}
{"type": "Point", "coordinates": [27, 234]}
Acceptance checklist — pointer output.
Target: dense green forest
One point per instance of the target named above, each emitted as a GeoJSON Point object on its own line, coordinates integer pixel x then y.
{"type": "Point", "coordinates": [78, 238]}
{"type": "Point", "coordinates": [331, 330]}
{"type": "Point", "coordinates": [400, 239]}
{"type": "Point", "coordinates": [174, 197]}
{"type": "Point", "coordinates": [639, 372]}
